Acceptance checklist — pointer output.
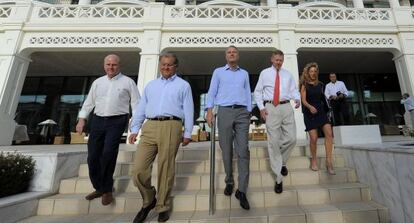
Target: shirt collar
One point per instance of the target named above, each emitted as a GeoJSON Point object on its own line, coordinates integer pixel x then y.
{"type": "Point", "coordinates": [227, 67]}
{"type": "Point", "coordinates": [169, 79]}
{"type": "Point", "coordinates": [116, 77]}
{"type": "Point", "coordinates": [274, 68]}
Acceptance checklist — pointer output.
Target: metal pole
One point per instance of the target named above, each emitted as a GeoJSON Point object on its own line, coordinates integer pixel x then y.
{"type": "Point", "coordinates": [212, 198]}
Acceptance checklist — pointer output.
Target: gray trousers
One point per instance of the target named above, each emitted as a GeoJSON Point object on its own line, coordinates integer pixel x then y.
{"type": "Point", "coordinates": [233, 126]}
{"type": "Point", "coordinates": [281, 131]}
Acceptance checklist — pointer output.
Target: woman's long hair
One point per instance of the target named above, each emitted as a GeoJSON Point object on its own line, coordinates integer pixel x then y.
{"type": "Point", "coordinates": [305, 78]}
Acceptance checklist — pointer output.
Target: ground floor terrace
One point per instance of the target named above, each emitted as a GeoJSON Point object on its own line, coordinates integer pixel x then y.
{"type": "Point", "coordinates": [57, 83]}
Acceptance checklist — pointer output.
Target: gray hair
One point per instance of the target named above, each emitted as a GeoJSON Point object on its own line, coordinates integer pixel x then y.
{"type": "Point", "coordinates": [170, 55]}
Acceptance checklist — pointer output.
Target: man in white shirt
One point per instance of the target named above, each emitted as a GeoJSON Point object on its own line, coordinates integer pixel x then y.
{"type": "Point", "coordinates": [336, 93]}
{"type": "Point", "coordinates": [274, 90]}
{"type": "Point", "coordinates": [409, 106]}
{"type": "Point", "coordinates": [111, 96]}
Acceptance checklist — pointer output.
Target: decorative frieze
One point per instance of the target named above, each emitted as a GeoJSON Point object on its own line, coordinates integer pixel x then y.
{"type": "Point", "coordinates": [69, 40]}
{"type": "Point", "coordinates": [187, 12]}
{"type": "Point", "coordinates": [347, 14]}
{"type": "Point", "coordinates": [182, 40]}
{"type": "Point", "coordinates": [5, 12]}
{"type": "Point", "coordinates": [95, 12]}
{"type": "Point", "coordinates": [346, 41]}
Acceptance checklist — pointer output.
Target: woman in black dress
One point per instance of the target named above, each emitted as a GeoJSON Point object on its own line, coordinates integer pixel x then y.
{"type": "Point", "coordinates": [315, 114]}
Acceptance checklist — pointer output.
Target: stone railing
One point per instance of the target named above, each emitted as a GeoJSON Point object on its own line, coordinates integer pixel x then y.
{"type": "Point", "coordinates": [5, 11]}
{"type": "Point", "coordinates": [88, 12]}
{"type": "Point", "coordinates": [190, 15]}
{"type": "Point", "coordinates": [57, 2]}
{"type": "Point", "coordinates": [344, 14]}
{"type": "Point", "coordinates": [219, 12]}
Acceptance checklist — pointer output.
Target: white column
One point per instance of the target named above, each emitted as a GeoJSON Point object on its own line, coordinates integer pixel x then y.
{"type": "Point", "coordinates": [404, 65]}
{"type": "Point", "coordinates": [179, 2]}
{"type": "Point", "coordinates": [148, 65]}
{"type": "Point", "coordinates": [13, 72]}
{"type": "Point", "coordinates": [394, 3]}
{"type": "Point", "coordinates": [287, 43]}
{"type": "Point", "coordinates": [271, 3]}
{"type": "Point", "coordinates": [84, 2]}
{"type": "Point", "coordinates": [358, 3]}
{"type": "Point", "coordinates": [148, 70]}
{"type": "Point", "coordinates": [404, 62]}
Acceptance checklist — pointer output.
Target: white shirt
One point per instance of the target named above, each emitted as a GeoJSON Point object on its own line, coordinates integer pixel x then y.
{"type": "Point", "coordinates": [266, 85]}
{"type": "Point", "coordinates": [332, 88]}
{"type": "Point", "coordinates": [408, 104]}
{"type": "Point", "coordinates": [111, 97]}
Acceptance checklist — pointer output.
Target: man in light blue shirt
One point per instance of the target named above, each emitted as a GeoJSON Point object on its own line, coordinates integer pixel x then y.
{"type": "Point", "coordinates": [409, 106]}
{"type": "Point", "coordinates": [166, 103]}
{"type": "Point", "coordinates": [230, 91]}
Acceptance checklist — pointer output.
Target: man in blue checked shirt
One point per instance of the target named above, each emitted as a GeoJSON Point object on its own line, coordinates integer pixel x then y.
{"type": "Point", "coordinates": [230, 91]}
{"type": "Point", "coordinates": [166, 103]}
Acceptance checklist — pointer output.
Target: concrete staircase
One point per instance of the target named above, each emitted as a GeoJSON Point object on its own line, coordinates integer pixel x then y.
{"type": "Point", "coordinates": [308, 197]}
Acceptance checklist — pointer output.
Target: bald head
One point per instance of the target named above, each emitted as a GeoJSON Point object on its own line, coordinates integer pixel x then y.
{"type": "Point", "coordinates": [112, 65]}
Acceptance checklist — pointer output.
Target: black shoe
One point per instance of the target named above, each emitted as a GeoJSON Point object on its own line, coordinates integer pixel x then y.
{"type": "Point", "coordinates": [278, 188]}
{"type": "Point", "coordinates": [143, 213]}
{"type": "Point", "coordinates": [284, 171]}
{"type": "Point", "coordinates": [244, 203]}
{"type": "Point", "coordinates": [164, 216]}
{"type": "Point", "coordinates": [228, 190]}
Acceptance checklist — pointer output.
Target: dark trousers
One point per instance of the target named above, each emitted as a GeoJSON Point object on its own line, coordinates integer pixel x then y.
{"type": "Point", "coordinates": [103, 144]}
{"type": "Point", "coordinates": [341, 112]}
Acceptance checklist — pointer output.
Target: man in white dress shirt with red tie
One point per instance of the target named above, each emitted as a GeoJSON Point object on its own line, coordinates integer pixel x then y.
{"type": "Point", "coordinates": [274, 90]}
{"type": "Point", "coordinates": [111, 96]}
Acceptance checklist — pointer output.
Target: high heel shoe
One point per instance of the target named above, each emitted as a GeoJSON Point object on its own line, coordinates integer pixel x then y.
{"type": "Point", "coordinates": [314, 165]}
{"type": "Point", "coordinates": [329, 168]}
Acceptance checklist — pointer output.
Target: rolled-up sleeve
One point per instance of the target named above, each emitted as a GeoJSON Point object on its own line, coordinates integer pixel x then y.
{"type": "Point", "coordinates": [258, 92]}
{"type": "Point", "coordinates": [294, 92]}
{"type": "Point", "coordinates": [212, 90]}
{"type": "Point", "coordinates": [89, 103]}
{"type": "Point", "coordinates": [188, 107]}
{"type": "Point", "coordinates": [138, 115]}
{"type": "Point", "coordinates": [135, 96]}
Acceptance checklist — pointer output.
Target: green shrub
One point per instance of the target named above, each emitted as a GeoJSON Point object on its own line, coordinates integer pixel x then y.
{"type": "Point", "coordinates": [16, 171]}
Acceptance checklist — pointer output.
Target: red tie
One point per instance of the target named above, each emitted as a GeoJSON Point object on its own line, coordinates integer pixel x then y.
{"type": "Point", "coordinates": [276, 93]}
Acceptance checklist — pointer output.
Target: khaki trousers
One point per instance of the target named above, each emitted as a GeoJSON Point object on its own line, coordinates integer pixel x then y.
{"type": "Point", "coordinates": [162, 138]}
{"type": "Point", "coordinates": [281, 130]}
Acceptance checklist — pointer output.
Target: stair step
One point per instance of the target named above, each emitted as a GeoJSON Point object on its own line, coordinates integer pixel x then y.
{"type": "Point", "coordinates": [199, 199]}
{"type": "Point", "coordinates": [203, 166]}
{"type": "Point", "coordinates": [348, 212]}
{"type": "Point", "coordinates": [202, 180]}
{"type": "Point", "coordinates": [202, 153]}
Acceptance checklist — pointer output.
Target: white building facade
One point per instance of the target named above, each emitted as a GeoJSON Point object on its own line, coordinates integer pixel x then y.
{"type": "Point", "coordinates": [32, 31]}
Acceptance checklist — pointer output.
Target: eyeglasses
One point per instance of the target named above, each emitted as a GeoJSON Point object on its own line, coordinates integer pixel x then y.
{"type": "Point", "coordinates": [168, 65]}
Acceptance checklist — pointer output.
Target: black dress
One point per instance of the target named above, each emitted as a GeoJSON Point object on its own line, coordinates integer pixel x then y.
{"type": "Point", "coordinates": [316, 98]}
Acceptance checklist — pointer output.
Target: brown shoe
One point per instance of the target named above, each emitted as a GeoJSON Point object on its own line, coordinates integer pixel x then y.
{"type": "Point", "coordinates": [107, 198]}
{"type": "Point", "coordinates": [93, 195]}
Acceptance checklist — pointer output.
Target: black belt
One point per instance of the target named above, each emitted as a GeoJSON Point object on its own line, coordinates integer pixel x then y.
{"type": "Point", "coordinates": [234, 106]}
{"type": "Point", "coordinates": [280, 102]}
{"type": "Point", "coordinates": [111, 117]}
{"type": "Point", "coordinates": [165, 118]}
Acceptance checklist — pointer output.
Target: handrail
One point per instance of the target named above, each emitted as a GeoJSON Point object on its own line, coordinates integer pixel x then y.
{"type": "Point", "coordinates": [212, 197]}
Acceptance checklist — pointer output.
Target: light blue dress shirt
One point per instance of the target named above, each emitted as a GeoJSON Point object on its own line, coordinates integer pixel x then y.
{"type": "Point", "coordinates": [165, 97]}
{"type": "Point", "coordinates": [408, 103]}
{"type": "Point", "coordinates": [229, 87]}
